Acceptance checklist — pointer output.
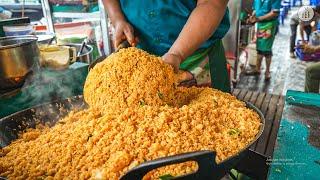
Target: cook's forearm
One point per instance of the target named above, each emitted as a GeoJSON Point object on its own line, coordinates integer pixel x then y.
{"type": "Point", "coordinates": [270, 15]}
{"type": "Point", "coordinates": [202, 23]}
{"type": "Point", "coordinates": [114, 11]}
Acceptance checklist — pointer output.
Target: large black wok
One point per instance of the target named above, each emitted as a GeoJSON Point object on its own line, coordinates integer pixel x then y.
{"type": "Point", "coordinates": [49, 113]}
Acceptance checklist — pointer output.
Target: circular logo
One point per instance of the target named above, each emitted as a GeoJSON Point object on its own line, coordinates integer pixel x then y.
{"type": "Point", "coordinates": [306, 13]}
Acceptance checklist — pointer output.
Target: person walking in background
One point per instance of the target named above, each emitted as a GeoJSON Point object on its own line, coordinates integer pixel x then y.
{"type": "Point", "coordinates": [265, 14]}
{"type": "Point", "coordinates": [305, 26]}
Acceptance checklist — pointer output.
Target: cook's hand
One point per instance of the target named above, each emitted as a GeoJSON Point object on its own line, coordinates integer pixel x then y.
{"type": "Point", "coordinates": [124, 31]}
{"type": "Point", "coordinates": [252, 19]}
{"type": "Point", "coordinates": [172, 59]}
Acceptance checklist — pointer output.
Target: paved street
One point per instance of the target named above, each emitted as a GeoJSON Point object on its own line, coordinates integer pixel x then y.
{"type": "Point", "coordinates": [286, 73]}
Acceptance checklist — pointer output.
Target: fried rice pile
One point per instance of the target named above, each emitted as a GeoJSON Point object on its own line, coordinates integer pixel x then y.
{"type": "Point", "coordinates": [130, 78]}
{"type": "Point", "coordinates": [136, 114]}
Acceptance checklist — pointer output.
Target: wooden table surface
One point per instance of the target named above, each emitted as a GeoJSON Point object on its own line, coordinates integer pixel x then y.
{"type": "Point", "coordinates": [257, 164]}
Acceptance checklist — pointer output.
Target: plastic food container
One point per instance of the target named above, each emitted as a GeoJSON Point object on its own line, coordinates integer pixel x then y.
{"type": "Point", "coordinates": [18, 30]}
{"type": "Point", "coordinates": [303, 56]}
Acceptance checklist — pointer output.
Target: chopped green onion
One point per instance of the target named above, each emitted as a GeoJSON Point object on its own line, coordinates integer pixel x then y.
{"type": "Point", "coordinates": [166, 177]}
{"type": "Point", "coordinates": [234, 131]}
{"type": "Point", "coordinates": [160, 95]}
{"type": "Point", "coordinates": [142, 103]}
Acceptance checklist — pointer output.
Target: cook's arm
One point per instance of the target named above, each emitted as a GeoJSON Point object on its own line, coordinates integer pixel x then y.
{"type": "Point", "coordinates": [114, 10]}
{"type": "Point", "coordinates": [123, 30]}
{"type": "Point", "coordinates": [202, 23]}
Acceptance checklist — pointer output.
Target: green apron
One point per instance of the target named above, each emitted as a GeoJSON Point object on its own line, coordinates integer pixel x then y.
{"type": "Point", "coordinates": [266, 32]}
{"type": "Point", "coordinates": [216, 65]}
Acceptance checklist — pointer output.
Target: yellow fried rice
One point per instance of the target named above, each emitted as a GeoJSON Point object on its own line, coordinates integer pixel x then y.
{"type": "Point", "coordinates": [136, 114]}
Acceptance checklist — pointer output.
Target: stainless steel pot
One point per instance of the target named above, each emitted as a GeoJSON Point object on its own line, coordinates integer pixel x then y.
{"type": "Point", "coordinates": [45, 38]}
{"type": "Point", "coordinates": [19, 57]}
{"type": "Point", "coordinates": [86, 54]}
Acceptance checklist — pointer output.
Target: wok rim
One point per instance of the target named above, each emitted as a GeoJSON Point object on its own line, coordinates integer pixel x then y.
{"type": "Point", "coordinates": [29, 40]}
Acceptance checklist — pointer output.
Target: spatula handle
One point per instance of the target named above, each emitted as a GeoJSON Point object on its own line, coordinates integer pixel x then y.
{"type": "Point", "coordinates": [205, 159]}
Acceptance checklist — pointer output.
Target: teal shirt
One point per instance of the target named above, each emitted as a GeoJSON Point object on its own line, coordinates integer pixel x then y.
{"type": "Point", "coordinates": [158, 23]}
{"type": "Point", "coordinates": [263, 7]}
